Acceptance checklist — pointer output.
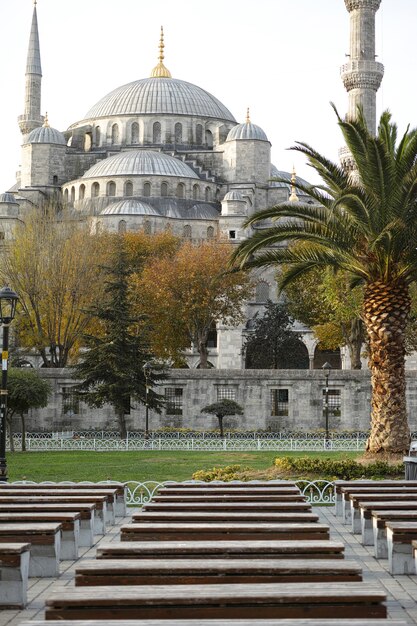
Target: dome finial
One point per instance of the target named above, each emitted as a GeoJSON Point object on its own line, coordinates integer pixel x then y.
{"type": "Point", "coordinates": [247, 116]}
{"type": "Point", "coordinates": [46, 120]}
{"type": "Point", "coordinates": [293, 197]}
{"type": "Point", "coordinates": [160, 71]}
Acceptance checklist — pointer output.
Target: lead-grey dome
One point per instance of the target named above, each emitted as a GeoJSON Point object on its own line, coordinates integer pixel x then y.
{"type": "Point", "coordinates": [247, 130]}
{"type": "Point", "coordinates": [46, 134]}
{"type": "Point", "coordinates": [234, 195]}
{"type": "Point", "coordinates": [8, 197]}
{"type": "Point", "coordinates": [130, 207]}
{"type": "Point", "coordinates": [140, 162]}
{"type": "Point", "coordinates": [154, 96]}
{"type": "Point", "coordinates": [276, 173]}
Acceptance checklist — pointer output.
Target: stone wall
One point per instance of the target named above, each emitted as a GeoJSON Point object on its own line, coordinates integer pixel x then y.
{"type": "Point", "coordinates": [191, 390]}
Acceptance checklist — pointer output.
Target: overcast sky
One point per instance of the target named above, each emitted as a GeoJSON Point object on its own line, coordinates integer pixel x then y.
{"type": "Point", "coordinates": [281, 58]}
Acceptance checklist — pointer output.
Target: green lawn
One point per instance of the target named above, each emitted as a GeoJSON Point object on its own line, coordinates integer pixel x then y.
{"type": "Point", "coordinates": [140, 466]}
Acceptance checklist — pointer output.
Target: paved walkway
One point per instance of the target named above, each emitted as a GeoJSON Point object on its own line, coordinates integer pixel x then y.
{"type": "Point", "coordinates": [401, 590]}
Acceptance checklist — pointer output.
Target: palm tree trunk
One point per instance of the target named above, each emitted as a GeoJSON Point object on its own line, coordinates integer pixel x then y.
{"type": "Point", "coordinates": [386, 309]}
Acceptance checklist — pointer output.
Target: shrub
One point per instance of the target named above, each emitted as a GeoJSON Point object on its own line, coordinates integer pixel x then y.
{"type": "Point", "coordinates": [345, 469]}
{"type": "Point", "coordinates": [228, 473]}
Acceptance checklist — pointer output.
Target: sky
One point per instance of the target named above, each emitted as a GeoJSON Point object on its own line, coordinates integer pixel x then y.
{"type": "Point", "coordinates": [280, 58]}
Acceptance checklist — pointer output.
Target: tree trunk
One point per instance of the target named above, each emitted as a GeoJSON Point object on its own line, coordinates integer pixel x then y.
{"type": "Point", "coordinates": [203, 352]}
{"type": "Point", "coordinates": [23, 422]}
{"type": "Point", "coordinates": [354, 341]}
{"type": "Point", "coordinates": [386, 308]}
{"type": "Point", "coordinates": [220, 418]}
{"type": "Point", "coordinates": [122, 423]}
{"type": "Point", "coordinates": [9, 426]}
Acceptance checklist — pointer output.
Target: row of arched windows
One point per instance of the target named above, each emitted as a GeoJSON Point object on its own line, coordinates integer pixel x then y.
{"type": "Point", "coordinates": [133, 136]}
{"type": "Point", "coordinates": [147, 227]}
{"type": "Point", "coordinates": [146, 191]}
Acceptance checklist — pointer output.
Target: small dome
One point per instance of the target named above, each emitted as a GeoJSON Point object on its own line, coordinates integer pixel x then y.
{"type": "Point", "coordinates": [8, 197]}
{"type": "Point", "coordinates": [247, 130]}
{"type": "Point", "coordinates": [46, 134]}
{"type": "Point", "coordinates": [234, 195]}
{"type": "Point", "coordinates": [140, 162]}
{"type": "Point", "coordinates": [130, 207]}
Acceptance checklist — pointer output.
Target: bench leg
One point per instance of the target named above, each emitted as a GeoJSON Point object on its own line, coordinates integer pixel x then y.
{"type": "Point", "coordinates": [14, 583]}
{"type": "Point", "coordinates": [86, 538]}
{"type": "Point", "coordinates": [400, 557]}
{"type": "Point", "coordinates": [346, 516]}
{"type": "Point", "coordinates": [366, 531]}
{"type": "Point", "coordinates": [380, 542]}
{"type": "Point", "coordinates": [44, 559]}
{"type": "Point", "coordinates": [69, 545]}
{"type": "Point", "coordinates": [355, 520]}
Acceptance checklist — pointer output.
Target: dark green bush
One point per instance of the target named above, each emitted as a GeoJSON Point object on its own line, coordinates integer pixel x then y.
{"type": "Point", "coordinates": [345, 469]}
{"type": "Point", "coordinates": [228, 473]}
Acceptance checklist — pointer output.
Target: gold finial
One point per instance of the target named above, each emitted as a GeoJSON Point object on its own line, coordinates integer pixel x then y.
{"type": "Point", "coordinates": [293, 197]}
{"type": "Point", "coordinates": [35, 3]}
{"type": "Point", "coordinates": [160, 71]}
{"type": "Point", "coordinates": [247, 116]}
{"type": "Point", "coordinates": [46, 121]}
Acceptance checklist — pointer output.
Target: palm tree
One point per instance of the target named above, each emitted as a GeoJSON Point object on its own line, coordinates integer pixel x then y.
{"type": "Point", "coordinates": [364, 223]}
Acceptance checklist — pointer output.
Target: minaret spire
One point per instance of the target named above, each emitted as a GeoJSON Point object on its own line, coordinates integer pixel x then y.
{"type": "Point", "coordinates": [160, 71]}
{"type": "Point", "coordinates": [31, 117]}
{"type": "Point", "coordinates": [293, 197]}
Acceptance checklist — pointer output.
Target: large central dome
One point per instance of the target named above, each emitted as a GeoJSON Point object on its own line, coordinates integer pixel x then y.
{"type": "Point", "coordinates": [151, 96]}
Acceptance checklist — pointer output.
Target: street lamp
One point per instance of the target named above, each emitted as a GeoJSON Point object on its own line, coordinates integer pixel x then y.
{"type": "Point", "coordinates": [326, 369]}
{"type": "Point", "coordinates": [147, 370]}
{"type": "Point", "coordinates": [8, 302]}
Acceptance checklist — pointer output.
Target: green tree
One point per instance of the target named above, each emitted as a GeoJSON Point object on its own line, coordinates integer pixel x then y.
{"type": "Point", "coordinates": [222, 408]}
{"type": "Point", "coordinates": [272, 343]}
{"type": "Point", "coordinates": [111, 369]}
{"type": "Point", "coordinates": [362, 222]}
{"type": "Point", "coordinates": [26, 390]}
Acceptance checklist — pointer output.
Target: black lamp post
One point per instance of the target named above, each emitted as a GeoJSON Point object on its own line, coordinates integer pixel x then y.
{"type": "Point", "coordinates": [147, 369]}
{"type": "Point", "coordinates": [8, 302]}
{"type": "Point", "coordinates": [326, 369]}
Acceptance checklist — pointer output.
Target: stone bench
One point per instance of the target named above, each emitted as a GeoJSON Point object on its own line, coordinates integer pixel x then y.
{"type": "Point", "coordinates": [86, 511]}
{"type": "Point", "coordinates": [108, 494]}
{"type": "Point", "coordinates": [355, 498]}
{"type": "Point", "coordinates": [220, 622]}
{"type": "Point", "coordinates": [228, 491]}
{"type": "Point", "coordinates": [259, 505]}
{"type": "Point", "coordinates": [260, 601]}
{"type": "Point", "coordinates": [366, 508]}
{"type": "Point", "coordinates": [213, 571]}
{"type": "Point", "coordinates": [222, 549]}
{"type": "Point", "coordinates": [70, 528]}
{"type": "Point", "coordinates": [379, 519]}
{"type": "Point", "coordinates": [100, 503]}
{"type": "Point", "coordinates": [231, 497]}
{"type": "Point", "coordinates": [338, 484]}
{"type": "Point", "coordinates": [120, 509]}
{"type": "Point", "coordinates": [14, 572]}
{"type": "Point", "coordinates": [45, 540]}
{"type": "Point", "coordinates": [233, 483]}
{"type": "Point", "coordinates": [400, 536]}
{"type": "Point", "coordinates": [225, 516]}
{"type": "Point", "coordinates": [218, 531]}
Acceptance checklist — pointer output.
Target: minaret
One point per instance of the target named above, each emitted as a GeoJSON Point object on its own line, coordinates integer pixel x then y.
{"type": "Point", "coordinates": [362, 75]}
{"type": "Point", "coordinates": [31, 117]}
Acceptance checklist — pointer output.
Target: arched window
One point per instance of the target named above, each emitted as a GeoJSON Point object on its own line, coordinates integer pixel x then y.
{"type": "Point", "coordinates": [199, 134]}
{"type": "Point", "coordinates": [115, 134]}
{"type": "Point", "coordinates": [147, 227]}
{"type": "Point", "coordinates": [147, 189]}
{"type": "Point", "coordinates": [111, 188]}
{"type": "Point", "coordinates": [178, 132]}
{"type": "Point", "coordinates": [81, 192]}
{"type": "Point", "coordinates": [2, 235]}
{"type": "Point", "coordinates": [210, 232]}
{"type": "Point", "coordinates": [196, 192]}
{"type": "Point", "coordinates": [209, 139]}
{"type": "Point", "coordinates": [66, 196]}
{"type": "Point", "coordinates": [95, 190]}
{"type": "Point", "coordinates": [128, 188]}
{"type": "Point", "coordinates": [164, 189]}
{"type": "Point", "coordinates": [135, 133]}
{"type": "Point", "coordinates": [262, 291]}
{"type": "Point", "coordinates": [207, 194]}
{"type": "Point", "coordinates": [55, 180]}
{"type": "Point", "coordinates": [121, 227]}
{"type": "Point", "coordinates": [72, 195]}
{"type": "Point", "coordinates": [88, 140]}
{"type": "Point", "coordinates": [180, 190]}
{"type": "Point", "coordinates": [97, 136]}
{"type": "Point", "coordinates": [186, 233]}
{"type": "Point", "coordinates": [157, 133]}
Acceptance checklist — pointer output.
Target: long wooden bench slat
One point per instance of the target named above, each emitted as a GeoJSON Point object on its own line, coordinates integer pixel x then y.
{"type": "Point", "coordinates": [231, 497]}
{"type": "Point", "coordinates": [184, 491]}
{"type": "Point", "coordinates": [231, 483]}
{"type": "Point", "coordinates": [220, 622]}
{"type": "Point", "coordinates": [280, 600]}
{"type": "Point", "coordinates": [351, 510]}
{"type": "Point", "coordinates": [259, 505]}
{"type": "Point", "coordinates": [206, 517]}
{"type": "Point", "coordinates": [317, 549]}
{"type": "Point", "coordinates": [213, 571]}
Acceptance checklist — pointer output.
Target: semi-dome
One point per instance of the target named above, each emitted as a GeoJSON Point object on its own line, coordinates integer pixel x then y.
{"type": "Point", "coordinates": [8, 197]}
{"type": "Point", "coordinates": [130, 207]}
{"type": "Point", "coordinates": [234, 195]}
{"type": "Point", "coordinates": [46, 134]}
{"type": "Point", "coordinates": [140, 163]}
{"type": "Point", "coordinates": [247, 130]}
{"type": "Point", "coordinates": [160, 96]}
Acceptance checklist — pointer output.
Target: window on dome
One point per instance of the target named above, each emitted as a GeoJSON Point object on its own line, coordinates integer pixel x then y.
{"type": "Point", "coordinates": [121, 227]}
{"type": "Point", "coordinates": [72, 195]}
{"type": "Point", "coordinates": [199, 134]}
{"type": "Point", "coordinates": [209, 139]}
{"type": "Point", "coordinates": [111, 188]}
{"type": "Point", "coordinates": [98, 136]}
{"type": "Point", "coordinates": [178, 132]}
{"type": "Point", "coordinates": [95, 190]}
{"type": "Point", "coordinates": [157, 134]}
{"type": "Point", "coordinates": [128, 188]}
{"type": "Point", "coordinates": [135, 132]}
{"type": "Point", "coordinates": [207, 194]}
{"type": "Point", "coordinates": [196, 192]}
{"type": "Point", "coordinates": [180, 190]}
{"type": "Point", "coordinates": [147, 227]}
{"type": "Point", "coordinates": [186, 233]}
{"type": "Point", "coordinates": [115, 134]}
{"type": "Point", "coordinates": [81, 192]}
{"type": "Point", "coordinates": [164, 189]}
{"type": "Point", "coordinates": [210, 232]}
{"type": "Point", "coordinates": [147, 189]}
{"type": "Point", "coordinates": [262, 291]}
